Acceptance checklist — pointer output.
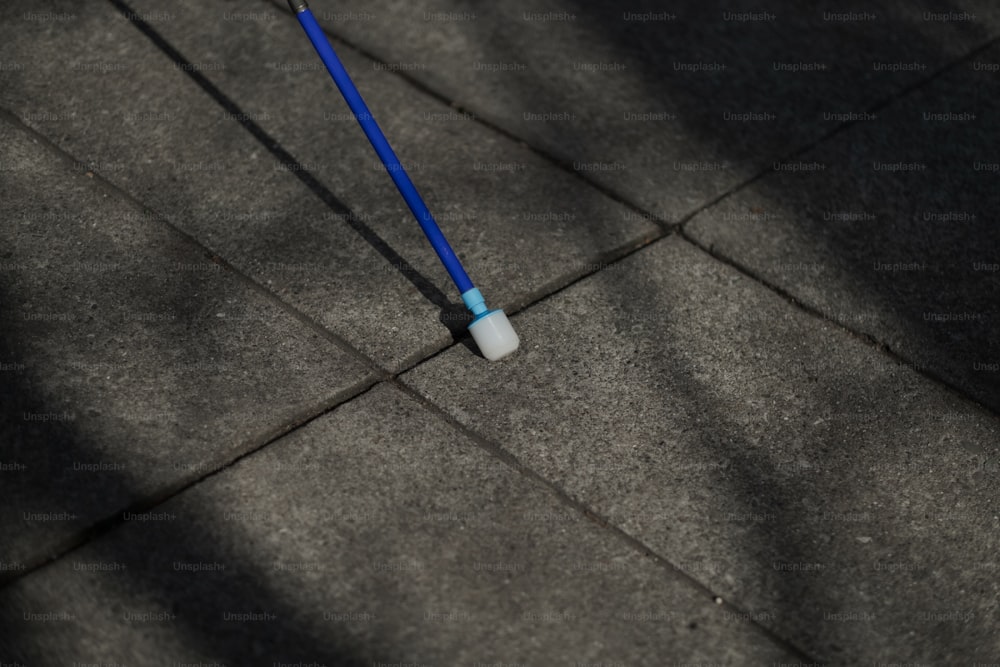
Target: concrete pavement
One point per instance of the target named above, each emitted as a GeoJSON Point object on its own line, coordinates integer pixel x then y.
{"type": "Point", "coordinates": [243, 423]}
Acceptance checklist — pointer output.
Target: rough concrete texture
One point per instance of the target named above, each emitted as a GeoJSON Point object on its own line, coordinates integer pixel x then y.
{"type": "Point", "coordinates": [635, 95]}
{"type": "Point", "coordinates": [697, 468]}
{"type": "Point", "coordinates": [891, 227]}
{"type": "Point", "coordinates": [378, 534]}
{"type": "Point", "coordinates": [843, 500]}
{"type": "Point", "coordinates": [132, 362]}
{"type": "Point", "coordinates": [523, 226]}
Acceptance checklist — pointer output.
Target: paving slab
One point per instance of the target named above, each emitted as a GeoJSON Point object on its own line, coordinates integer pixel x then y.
{"type": "Point", "coordinates": [669, 106]}
{"type": "Point", "coordinates": [522, 226]}
{"type": "Point", "coordinates": [891, 227]}
{"type": "Point", "coordinates": [131, 361]}
{"type": "Point", "coordinates": [375, 535]}
{"type": "Point", "coordinates": [841, 499]}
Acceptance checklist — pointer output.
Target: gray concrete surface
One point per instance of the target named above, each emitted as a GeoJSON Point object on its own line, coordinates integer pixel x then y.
{"type": "Point", "coordinates": [843, 500]}
{"type": "Point", "coordinates": [739, 444]}
{"type": "Point", "coordinates": [133, 362]}
{"type": "Point", "coordinates": [376, 534]}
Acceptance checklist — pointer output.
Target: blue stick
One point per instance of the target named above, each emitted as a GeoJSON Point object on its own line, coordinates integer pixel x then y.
{"type": "Point", "coordinates": [382, 147]}
{"type": "Point", "coordinates": [490, 328]}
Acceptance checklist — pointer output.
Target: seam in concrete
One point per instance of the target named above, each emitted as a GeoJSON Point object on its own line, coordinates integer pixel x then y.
{"type": "Point", "coordinates": [113, 190]}
{"type": "Point", "coordinates": [843, 126]}
{"type": "Point", "coordinates": [497, 451]}
{"type": "Point", "coordinates": [303, 416]}
{"type": "Point", "coordinates": [148, 503]}
{"type": "Point", "coordinates": [865, 338]}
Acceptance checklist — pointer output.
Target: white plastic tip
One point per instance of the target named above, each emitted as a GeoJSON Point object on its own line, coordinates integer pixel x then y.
{"type": "Point", "coordinates": [494, 335]}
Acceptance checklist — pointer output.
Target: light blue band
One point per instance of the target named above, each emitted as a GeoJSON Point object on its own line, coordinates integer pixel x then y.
{"type": "Point", "coordinates": [475, 302]}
